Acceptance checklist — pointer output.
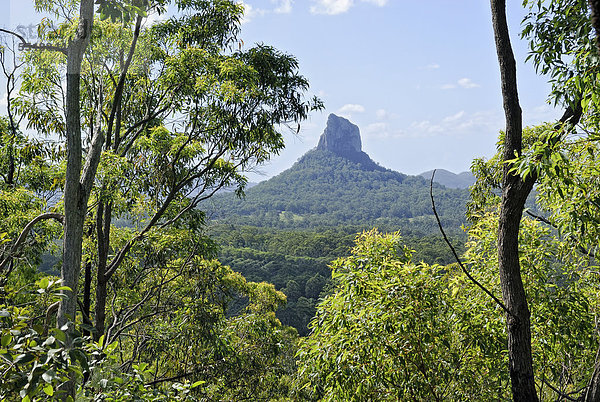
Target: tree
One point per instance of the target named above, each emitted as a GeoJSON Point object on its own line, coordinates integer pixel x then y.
{"type": "Point", "coordinates": [515, 190]}
{"type": "Point", "coordinates": [78, 184]}
{"type": "Point", "coordinates": [555, 267]}
{"type": "Point", "coordinates": [170, 113]}
{"type": "Point", "coordinates": [393, 329]}
{"type": "Point", "coordinates": [561, 48]}
{"type": "Point", "coordinates": [192, 115]}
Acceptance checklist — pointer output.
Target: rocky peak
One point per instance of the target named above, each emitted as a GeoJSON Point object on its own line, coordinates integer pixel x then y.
{"type": "Point", "coordinates": [340, 137]}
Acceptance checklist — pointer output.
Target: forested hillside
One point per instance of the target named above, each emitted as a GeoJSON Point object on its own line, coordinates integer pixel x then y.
{"type": "Point", "coordinates": [288, 229]}
{"type": "Point", "coordinates": [449, 179]}
{"type": "Point", "coordinates": [297, 261]}
{"type": "Point", "coordinates": [130, 272]}
{"type": "Point", "coordinates": [325, 189]}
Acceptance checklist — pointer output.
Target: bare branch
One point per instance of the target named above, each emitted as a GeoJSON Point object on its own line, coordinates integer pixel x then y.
{"type": "Point", "coordinates": [21, 239]}
{"type": "Point", "coordinates": [464, 269]}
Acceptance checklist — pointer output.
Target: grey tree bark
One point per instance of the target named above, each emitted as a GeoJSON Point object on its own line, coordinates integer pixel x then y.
{"type": "Point", "coordinates": [514, 193]}
{"type": "Point", "coordinates": [595, 8]}
{"type": "Point", "coordinates": [77, 184]}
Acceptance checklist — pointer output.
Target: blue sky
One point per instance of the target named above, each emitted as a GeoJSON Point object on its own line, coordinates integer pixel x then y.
{"type": "Point", "coordinates": [420, 78]}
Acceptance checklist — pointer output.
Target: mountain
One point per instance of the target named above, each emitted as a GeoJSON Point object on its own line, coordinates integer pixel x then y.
{"type": "Point", "coordinates": [338, 184]}
{"type": "Point", "coordinates": [449, 179]}
{"type": "Point", "coordinates": [289, 228]}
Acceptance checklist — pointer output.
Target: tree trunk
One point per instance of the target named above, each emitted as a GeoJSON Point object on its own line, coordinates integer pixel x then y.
{"type": "Point", "coordinates": [87, 292]}
{"type": "Point", "coordinates": [592, 392]}
{"type": "Point", "coordinates": [103, 219]}
{"type": "Point", "coordinates": [104, 211]}
{"type": "Point", "coordinates": [75, 208]}
{"type": "Point", "coordinates": [514, 194]}
{"type": "Point", "coordinates": [595, 7]}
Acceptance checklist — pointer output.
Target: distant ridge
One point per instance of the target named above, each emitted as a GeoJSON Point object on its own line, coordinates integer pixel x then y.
{"type": "Point", "coordinates": [449, 179]}
{"type": "Point", "coordinates": [337, 183]}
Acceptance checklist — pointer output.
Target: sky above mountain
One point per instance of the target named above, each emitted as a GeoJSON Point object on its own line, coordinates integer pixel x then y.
{"type": "Point", "coordinates": [420, 78]}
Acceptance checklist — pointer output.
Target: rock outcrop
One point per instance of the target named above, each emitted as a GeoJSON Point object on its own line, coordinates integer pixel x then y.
{"type": "Point", "coordinates": [342, 138]}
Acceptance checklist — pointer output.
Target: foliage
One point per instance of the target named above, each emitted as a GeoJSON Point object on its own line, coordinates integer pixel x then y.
{"type": "Point", "coordinates": [395, 330]}
{"type": "Point", "coordinates": [562, 46]}
{"type": "Point", "coordinates": [326, 190]}
{"type": "Point", "coordinates": [34, 359]}
{"type": "Point", "coordinates": [184, 111]}
{"type": "Point", "coordinates": [557, 269]}
{"type": "Point", "coordinates": [28, 188]}
{"type": "Point", "coordinates": [281, 256]}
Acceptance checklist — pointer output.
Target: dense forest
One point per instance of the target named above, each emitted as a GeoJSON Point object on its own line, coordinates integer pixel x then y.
{"type": "Point", "coordinates": [118, 139]}
{"type": "Point", "coordinates": [296, 261]}
{"type": "Point", "coordinates": [286, 230]}
{"type": "Point", "coordinates": [323, 189]}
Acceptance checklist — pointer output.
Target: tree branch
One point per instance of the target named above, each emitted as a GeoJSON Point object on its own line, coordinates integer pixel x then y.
{"type": "Point", "coordinates": [464, 269]}
{"type": "Point", "coordinates": [21, 239]}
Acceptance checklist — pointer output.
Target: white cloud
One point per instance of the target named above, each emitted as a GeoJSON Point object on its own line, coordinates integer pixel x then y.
{"type": "Point", "coordinates": [250, 12]}
{"type": "Point", "coordinates": [467, 83]}
{"type": "Point", "coordinates": [382, 114]}
{"type": "Point", "coordinates": [331, 7]}
{"type": "Point", "coordinates": [432, 66]}
{"type": "Point", "coordinates": [378, 3]}
{"type": "Point", "coordinates": [458, 125]}
{"type": "Point", "coordinates": [454, 117]}
{"type": "Point", "coordinates": [377, 130]}
{"type": "Point", "coordinates": [279, 7]}
{"type": "Point", "coordinates": [4, 100]}
{"type": "Point", "coordinates": [282, 6]}
{"type": "Point", "coordinates": [351, 108]}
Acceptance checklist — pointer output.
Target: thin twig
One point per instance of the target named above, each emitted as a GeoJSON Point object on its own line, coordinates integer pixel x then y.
{"type": "Point", "coordinates": [566, 396]}
{"type": "Point", "coordinates": [540, 218]}
{"type": "Point", "coordinates": [464, 269]}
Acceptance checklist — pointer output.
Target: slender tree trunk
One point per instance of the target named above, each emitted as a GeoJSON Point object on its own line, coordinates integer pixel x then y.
{"type": "Point", "coordinates": [78, 183]}
{"type": "Point", "coordinates": [514, 194]}
{"type": "Point", "coordinates": [595, 7]}
{"type": "Point", "coordinates": [75, 197]}
{"type": "Point", "coordinates": [87, 290]}
{"type": "Point", "coordinates": [104, 213]}
{"type": "Point", "coordinates": [74, 214]}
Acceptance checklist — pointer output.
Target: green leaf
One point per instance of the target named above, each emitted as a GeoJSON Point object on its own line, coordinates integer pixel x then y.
{"type": "Point", "coordinates": [24, 358]}
{"type": "Point", "coordinates": [49, 375]}
{"type": "Point", "coordinates": [6, 340]}
{"type": "Point", "coordinates": [44, 283]}
{"type": "Point", "coordinates": [60, 335]}
{"type": "Point", "coordinates": [49, 390]}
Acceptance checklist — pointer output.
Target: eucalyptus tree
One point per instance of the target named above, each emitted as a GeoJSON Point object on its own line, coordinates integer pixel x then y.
{"type": "Point", "coordinates": [177, 110]}
{"type": "Point", "coordinates": [561, 46]}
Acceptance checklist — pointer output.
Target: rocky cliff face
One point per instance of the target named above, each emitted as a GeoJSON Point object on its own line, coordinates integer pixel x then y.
{"type": "Point", "coordinates": [343, 139]}
{"type": "Point", "coordinates": [340, 136]}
